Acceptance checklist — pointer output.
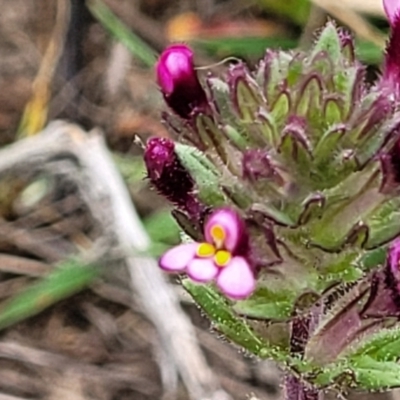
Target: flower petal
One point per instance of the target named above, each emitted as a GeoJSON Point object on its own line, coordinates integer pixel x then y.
{"type": "Point", "coordinates": [232, 228]}
{"type": "Point", "coordinates": [175, 63]}
{"type": "Point", "coordinates": [178, 258]}
{"type": "Point", "coordinates": [392, 8]}
{"type": "Point", "coordinates": [202, 269]}
{"type": "Point", "coordinates": [237, 280]}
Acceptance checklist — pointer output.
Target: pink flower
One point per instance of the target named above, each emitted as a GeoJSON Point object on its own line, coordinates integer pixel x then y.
{"type": "Point", "coordinates": [392, 8]}
{"type": "Point", "coordinates": [218, 258]}
{"type": "Point", "coordinates": [179, 82]}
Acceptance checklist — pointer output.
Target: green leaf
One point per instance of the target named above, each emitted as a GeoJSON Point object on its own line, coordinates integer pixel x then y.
{"type": "Point", "coordinates": [240, 140]}
{"type": "Point", "coordinates": [368, 52]}
{"type": "Point", "coordinates": [295, 150]}
{"type": "Point", "coordinates": [222, 99]}
{"type": "Point", "coordinates": [67, 279]}
{"type": "Point", "coordinates": [371, 374]}
{"type": "Point", "coordinates": [378, 138]}
{"type": "Point", "coordinates": [267, 304]}
{"type": "Point", "coordinates": [212, 138]}
{"type": "Point", "coordinates": [122, 33]}
{"type": "Point", "coordinates": [278, 68]}
{"type": "Point", "coordinates": [331, 373]}
{"type": "Point", "coordinates": [373, 362]}
{"type": "Point", "coordinates": [329, 42]}
{"type": "Point", "coordinates": [309, 101]}
{"type": "Point", "coordinates": [254, 47]}
{"type": "Point", "coordinates": [162, 227]}
{"type": "Point", "coordinates": [224, 319]}
{"type": "Point", "coordinates": [344, 82]}
{"type": "Point", "coordinates": [383, 223]}
{"type": "Point", "coordinates": [333, 112]}
{"type": "Point", "coordinates": [327, 144]}
{"type": "Point", "coordinates": [247, 99]}
{"type": "Point", "coordinates": [295, 71]}
{"type": "Point", "coordinates": [203, 172]}
{"type": "Point", "coordinates": [247, 47]}
{"type": "Point", "coordinates": [269, 211]}
{"type": "Point", "coordinates": [295, 10]}
{"type": "Point", "coordinates": [347, 206]}
{"type": "Point", "coordinates": [281, 108]}
{"type": "Point", "coordinates": [131, 168]}
{"type": "Point", "coordinates": [383, 346]}
{"type": "Point", "coordinates": [341, 268]}
{"type": "Point", "coordinates": [268, 129]}
{"type": "Point", "coordinates": [372, 259]}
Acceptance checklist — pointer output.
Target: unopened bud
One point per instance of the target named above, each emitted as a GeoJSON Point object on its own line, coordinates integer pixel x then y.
{"type": "Point", "coordinates": [178, 81]}
{"type": "Point", "coordinates": [169, 176]}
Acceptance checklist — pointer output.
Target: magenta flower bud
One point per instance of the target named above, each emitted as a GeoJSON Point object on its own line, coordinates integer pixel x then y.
{"type": "Point", "coordinates": [169, 177]}
{"type": "Point", "coordinates": [221, 257]}
{"type": "Point", "coordinates": [179, 82]}
{"type": "Point", "coordinates": [391, 69]}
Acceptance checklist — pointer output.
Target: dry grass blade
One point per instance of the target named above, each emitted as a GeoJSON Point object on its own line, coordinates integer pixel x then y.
{"type": "Point", "coordinates": [349, 16]}
{"type": "Point", "coordinates": [22, 266]}
{"type": "Point", "coordinates": [122, 33]}
{"type": "Point", "coordinates": [35, 113]}
{"type": "Point", "coordinates": [158, 299]}
{"type": "Point", "coordinates": [374, 7]}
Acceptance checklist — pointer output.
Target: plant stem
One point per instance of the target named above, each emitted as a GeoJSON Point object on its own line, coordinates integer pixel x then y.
{"type": "Point", "coordinates": [295, 389]}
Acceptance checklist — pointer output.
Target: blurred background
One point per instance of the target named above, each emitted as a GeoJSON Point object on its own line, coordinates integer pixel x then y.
{"type": "Point", "coordinates": [69, 332]}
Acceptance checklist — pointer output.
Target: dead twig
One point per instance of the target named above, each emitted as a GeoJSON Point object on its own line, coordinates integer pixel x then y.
{"type": "Point", "coordinates": [22, 266]}
{"type": "Point", "coordinates": [67, 152]}
{"type": "Point", "coordinates": [157, 298]}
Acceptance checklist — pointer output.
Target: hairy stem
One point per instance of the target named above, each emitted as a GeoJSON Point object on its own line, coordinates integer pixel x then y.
{"type": "Point", "coordinates": [295, 389]}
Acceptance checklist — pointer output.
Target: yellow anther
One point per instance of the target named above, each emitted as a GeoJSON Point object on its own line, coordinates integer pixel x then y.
{"type": "Point", "coordinates": [222, 258]}
{"type": "Point", "coordinates": [205, 250]}
{"type": "Point", "coordinates": [218, 234]}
